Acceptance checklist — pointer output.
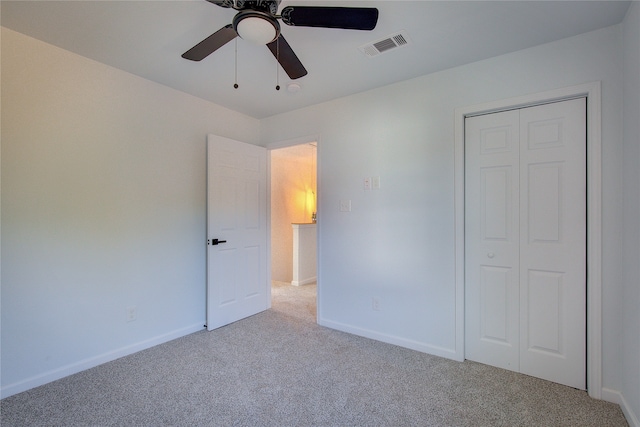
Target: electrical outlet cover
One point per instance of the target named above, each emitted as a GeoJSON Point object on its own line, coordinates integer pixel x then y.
{"type": "Point", "coordinates": [345, 205]}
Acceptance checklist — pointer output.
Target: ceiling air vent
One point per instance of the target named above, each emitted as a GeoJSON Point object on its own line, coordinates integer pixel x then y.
{"type": "Point", "coordinates": [386, 44]}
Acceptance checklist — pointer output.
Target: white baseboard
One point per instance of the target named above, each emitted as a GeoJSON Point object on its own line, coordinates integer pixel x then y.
{"type": "Point", "coordinates": [308, 281]}
{"type": "Point", "coordinates": [91, 362]}
{"type": "Point", "coordinates": [615, 396]}
{"type": "Point", "coordinates": [390, 339]}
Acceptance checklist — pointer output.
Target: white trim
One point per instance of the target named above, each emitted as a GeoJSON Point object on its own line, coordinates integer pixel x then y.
{"type": "Point", "coordinates": [307, 139]}
{"type": "Point", "coordinates": [268, 209]}
{"type": "Point", "coordinates": [594, 215]}
{"type": "Point", "coordinates": [447, 353]}
{"type": "Point", "coordinates": [92, 362]}
{"type": "Point", "coordinates": [615, 396]}
{"type": "Point", "coordinates": [306, 281]}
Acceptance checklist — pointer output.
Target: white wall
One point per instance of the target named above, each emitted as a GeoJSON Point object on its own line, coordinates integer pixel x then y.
{"type": "Point", "coordinates": [397, 244]}
{"type": "Point", "coordinates": [103, 208]}
{"type": "Point", "coordinates": [630, 339]}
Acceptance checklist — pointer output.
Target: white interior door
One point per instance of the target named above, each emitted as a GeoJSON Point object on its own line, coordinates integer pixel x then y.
{"type": "Point", "coordinates": [553, 242]}
{"type": "Point", "coordinates": [237, 285]}
{"type": "Point", "coordinates": [525, 241]}
{"type": "Point", "coordinates": [492, 240]}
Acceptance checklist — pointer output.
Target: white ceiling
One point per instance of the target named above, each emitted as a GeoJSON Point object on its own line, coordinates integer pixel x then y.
{"type": "Point", "coordinates": [147, 37]}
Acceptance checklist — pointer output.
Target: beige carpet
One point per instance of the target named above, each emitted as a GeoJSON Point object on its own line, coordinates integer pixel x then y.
{"type": "Point", "coordinates": [279, 368]}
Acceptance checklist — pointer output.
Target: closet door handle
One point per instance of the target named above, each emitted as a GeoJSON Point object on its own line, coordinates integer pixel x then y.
{"type": "Point", "coordinates": [214, 242]}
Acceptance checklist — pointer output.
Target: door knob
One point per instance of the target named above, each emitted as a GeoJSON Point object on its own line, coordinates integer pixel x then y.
{"type": "Point", "coordinates": [214, 242]}
{"type": "Point", "coordinates": [491, 254]}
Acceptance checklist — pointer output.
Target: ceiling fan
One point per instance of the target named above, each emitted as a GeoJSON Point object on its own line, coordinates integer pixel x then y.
{"type": "Point", "coordinates": [257, 22]}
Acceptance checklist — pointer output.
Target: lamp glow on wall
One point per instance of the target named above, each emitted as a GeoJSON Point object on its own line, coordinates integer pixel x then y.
{"type": "Point", "coordinates": [303, 192]}
{"type": "Point", "coordinates": [311, 191]}
{"type": "Point", "coordinates": [310, 204]}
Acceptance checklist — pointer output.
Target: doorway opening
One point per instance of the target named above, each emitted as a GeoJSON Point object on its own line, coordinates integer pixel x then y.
{"type": "Point", "coordinates": [293, 177]}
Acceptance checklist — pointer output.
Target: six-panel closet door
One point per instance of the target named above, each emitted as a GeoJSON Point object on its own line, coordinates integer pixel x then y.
{"type": "Point", "coordinates": [525, 241]}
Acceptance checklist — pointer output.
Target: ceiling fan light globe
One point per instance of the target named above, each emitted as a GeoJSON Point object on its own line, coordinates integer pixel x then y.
{"type": "Point", "coordinates": [257, 30]}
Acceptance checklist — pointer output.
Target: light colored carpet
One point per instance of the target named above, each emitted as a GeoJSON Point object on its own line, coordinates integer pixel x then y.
{"type": "Point", "coordinates": [279, 368]}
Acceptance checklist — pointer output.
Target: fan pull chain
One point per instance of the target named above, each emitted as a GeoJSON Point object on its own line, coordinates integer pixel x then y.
{"type": "Point", "coordinates": [277, 62]}
{"type": "Point", "coordinates": [235, 84]}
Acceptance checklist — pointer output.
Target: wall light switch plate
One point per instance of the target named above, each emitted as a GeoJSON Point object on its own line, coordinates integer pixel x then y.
{"type": "Point", "coordinates": [131, 313]}
{"type": "Point", "coordinates": [375, 182]}
{"type": "Point", "coordinates": [367, 183]}
{"type": "Point", "coordinates": [345, 205]}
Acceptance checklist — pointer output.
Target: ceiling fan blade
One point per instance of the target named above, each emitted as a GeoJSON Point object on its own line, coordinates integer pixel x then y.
{"type": "Point", "coordinates": [212, 43]}
{"type": "Point", "coordinates": [287, 58]}
{"type": "Point", "coordinates": [350, 18]}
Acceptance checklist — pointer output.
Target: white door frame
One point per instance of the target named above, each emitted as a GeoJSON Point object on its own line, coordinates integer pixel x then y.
{"type": "Point", "coordinates": [284, 144]}
{"type": "Point", "coordinates": [592, 91]}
